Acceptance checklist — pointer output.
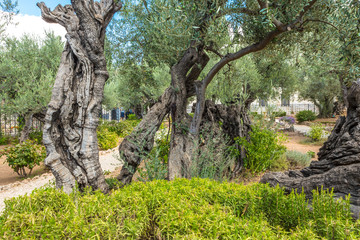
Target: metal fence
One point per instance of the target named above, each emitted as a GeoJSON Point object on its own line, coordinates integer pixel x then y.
{"type": "Point", "coordinates": [112, 115]}
{"type": "Point", "coordinates": [9, 125]}
{"type": "Point", "coordinates": [290, 109]}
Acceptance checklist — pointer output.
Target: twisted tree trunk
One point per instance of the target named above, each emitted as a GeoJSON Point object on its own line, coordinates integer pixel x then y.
{"type": "Point", "coordinates": [140, 142]}
{"type": "Point", "coordinates": [72, 116]}
{"type": "Point", "coordinates": [339, 159]}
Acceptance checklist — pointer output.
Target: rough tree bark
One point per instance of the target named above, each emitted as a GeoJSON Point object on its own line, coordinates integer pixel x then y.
{"type": "Point", "coordinates": [140, 142]}
{"type": "Point", "coordinates": [72, 116]}
{"type": "Point", "coordinates": [235, 123]}
{"type": "Point", "coordinates": [339, 159]}
{"type": "Point", "coordinates": [181, 142]}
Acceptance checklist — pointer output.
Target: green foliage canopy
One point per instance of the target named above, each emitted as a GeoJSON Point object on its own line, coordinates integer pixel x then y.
{"type": "Point", "coordinates": [27, 71]}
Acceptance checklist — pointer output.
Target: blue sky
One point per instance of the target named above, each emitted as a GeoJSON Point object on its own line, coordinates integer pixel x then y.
{"type": "Point", "coordinates": [29, 6]}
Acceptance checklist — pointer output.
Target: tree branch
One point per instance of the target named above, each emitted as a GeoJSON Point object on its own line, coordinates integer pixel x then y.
{"type": "Point", "coordinates": [60, 15]}
{"type": "Point", "coordinates": [201, 88]}
{"type": "Point", "coordinates": [211, 49]}
{"type": "Point", "coordinates": [247, 11]}
{"type": "Point", "coordinates": [318, 20]}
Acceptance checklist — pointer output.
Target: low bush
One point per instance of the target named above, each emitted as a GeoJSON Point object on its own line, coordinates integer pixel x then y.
{"type": "Point", "coordinates": [265, 146]}
{"type": "Point", "coordinates": [280, 114]}
{"type": "Point", "coordinates": [316, 132]}
{"type": "Point", "coordinates": [289, 119]}
{"type": "Point", "coordinates": [298, 159]}
{"type": "Point", "coordinates": [180, 209]}
{"type": "Point", "coordinates": [5, 139]}
{"type": "Point", "coordinates": [122, 129]}
{"type": "Point", "coordinates": [24, 155]}
{"type": "Point", "coordinates": [280, 164]}
{"type": "Point", "coordinates": [106, 139]}
{"type": "Point", "coordinates": [305, 115]}
{"type": "Point", "coordinates": [311, 154]}
{"type": "Point", "coordinates": [132, 117]}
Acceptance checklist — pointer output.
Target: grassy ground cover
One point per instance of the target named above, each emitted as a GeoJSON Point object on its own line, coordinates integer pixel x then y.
{"type": "Point", "coordinates": [181, 209]}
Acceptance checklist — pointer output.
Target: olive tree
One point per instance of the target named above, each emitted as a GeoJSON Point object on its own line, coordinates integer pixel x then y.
{"type": "Point", "coordinates": [73, 112]}
{"type": "Point", "coordinates": [27, 72]}
{"type": "Point", "coordinates": [185, 35]}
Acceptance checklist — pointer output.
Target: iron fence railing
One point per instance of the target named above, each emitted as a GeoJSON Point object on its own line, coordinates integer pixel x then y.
{"type": "Point", "coordinates": [289, 109]}
{"type": "Point", "coordinates": [9, 125]}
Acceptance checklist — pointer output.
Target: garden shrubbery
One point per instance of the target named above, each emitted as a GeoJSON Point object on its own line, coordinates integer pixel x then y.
{"type": "Point", "coordinates": [298, 159]}
{"type": "Point", "coordinates": [181, 209]}
{"type": "Point", "coordinates": [122, 129]}
{"type": "Point", "coordinates": [108, 132]}
{"type": "Point", "coordinates": [265, 147]}
{"type": "Point", "coordinates": [316, 132]}
{"type": "Point", "coordinates": [305, 115]}
{"type": "Point", "coordinates": [106, 139]}
{"type": "Point", "coordinates": [155, 163]}
{"type": "Point", "coordinates": [25, 155]}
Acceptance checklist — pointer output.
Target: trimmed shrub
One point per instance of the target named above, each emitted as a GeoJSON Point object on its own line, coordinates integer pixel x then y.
{"type": "Point", "coordinates": [298, 159]}
{"type": "Point", "coordinates": [279, 114]}
{"type": "Point", "coordinates": [24, 155]}
{"type": "Point", "coordinates": [106, 139]}
{"type": "Point", "coordinates": [180, 209]}
{"type": "Point", "coordinates": [305, 115]}
{"type": "Point", "coordinates": [265, 146]}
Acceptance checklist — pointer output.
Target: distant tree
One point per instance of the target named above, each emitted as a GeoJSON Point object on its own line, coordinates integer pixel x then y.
{"type": "Point", "coordinates": [133, 86]}
{"type": "Point", "coordinates": [7, 11]}
{"type": "Point", "coordinates": [27, 71]}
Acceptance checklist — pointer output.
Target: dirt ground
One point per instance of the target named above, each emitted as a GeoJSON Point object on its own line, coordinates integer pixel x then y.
{"type": "Point", "coordinates": [294, 143]}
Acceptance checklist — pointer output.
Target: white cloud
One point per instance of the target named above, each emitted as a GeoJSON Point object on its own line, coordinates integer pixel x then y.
{"type": "Point", "coordinates": [33, 25]}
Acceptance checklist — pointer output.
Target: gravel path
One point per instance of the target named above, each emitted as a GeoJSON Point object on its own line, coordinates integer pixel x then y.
{"type": "Point", "coordinates": [302, 129]}
{"type": "Point", "coordinates": [108, 160]}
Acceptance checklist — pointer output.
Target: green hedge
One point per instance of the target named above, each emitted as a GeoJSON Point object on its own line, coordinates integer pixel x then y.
{"type": "Point", "coordinates": [181, 209]}
{"type": "Point", "coordinates": [305, 115]}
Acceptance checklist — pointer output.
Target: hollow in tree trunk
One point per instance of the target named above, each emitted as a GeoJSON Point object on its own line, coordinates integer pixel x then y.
{"type": "Point", "coordinates": [72, 115]}
{"type": "Point", "coordinates": [339, 159]}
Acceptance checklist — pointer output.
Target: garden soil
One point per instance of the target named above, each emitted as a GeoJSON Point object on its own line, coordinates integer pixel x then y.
{"type": "Point", "coordinates": [294, 143]}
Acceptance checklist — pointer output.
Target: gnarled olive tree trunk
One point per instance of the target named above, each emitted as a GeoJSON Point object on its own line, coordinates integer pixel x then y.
{"type": "Point", "coordinates": [140, 142]}
{"type": "Point", "coordinates": [339, 159]}
{"type": "Point", "coordinates": [72, 116]}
